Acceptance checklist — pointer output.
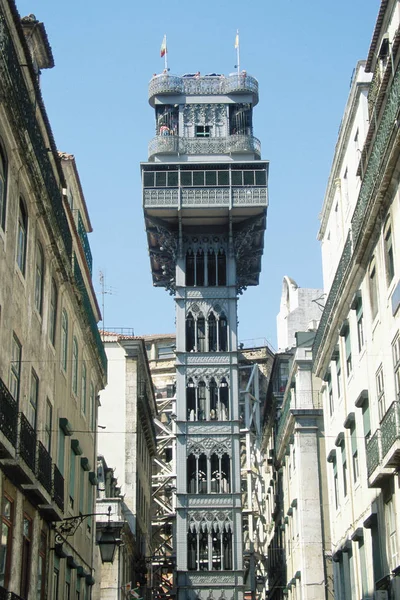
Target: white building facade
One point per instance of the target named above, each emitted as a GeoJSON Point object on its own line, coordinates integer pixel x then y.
{"type": "Point", "coordinates": [357, 348]}
{"type": "Point", "coordinates": [205, 199]}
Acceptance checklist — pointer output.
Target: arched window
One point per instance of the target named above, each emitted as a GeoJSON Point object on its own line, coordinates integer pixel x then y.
{"type": "Point", "coordinates": [190, 268]}
{"type": "Point", "coordinates": [209, 540]}
{"type": "Point", "coordinates": [190, 333]}
{"type": "Point", "coordinates": [201, 333]}
{"type": "Point", "coordinates": [3, 188]}
{"type": "Point", "coordinates": [64, 339]}
{"type": "Point", "coordinates": [223, 401]}
{"type": "Point", "coordinates": [22, 233]}
{"type": "Point", "coordinates": [39, 278]}
{"type": "Point", "coordinates": [202, 408]}
{"type": "Point", "coordinates": [223, 333]}
{"type": "Point", "coordinates": [191, 401]}
{"type": "Point", "coordinates": [212, 333]}
{"type": "Point", "coordinates": [192, 546]}
{"type": "Point", "coordinates": [227, 547]}
{"type": "Point", "coordinates": [199, 267]}
{"type": "Point", "coordinates": [207, 404]}
{"type": "Point", "coordinates": [191, 474]}
{"type": "Point", "coordinates": [216, 546]}
{"type": "Point", "coordinates": [221, 267]}
{"type": "Point", "coordinates": [211, 268]}
{"type": "Point", "coordinates": [75, 357]}
{"type": "Point", "coordinates": [53, 312]}
{"type": "Point", "coordinates": [220, 467]}
{"type": "Point", "coordinates": [213, 400]}
{"type": "Point", "coordinates": [203, 546]}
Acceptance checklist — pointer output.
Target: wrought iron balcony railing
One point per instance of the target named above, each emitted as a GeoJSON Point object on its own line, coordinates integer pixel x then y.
{"type": "Point", "coordinates": [18, 99]}
{"type": "Point", "coordinates": [90, 314]}
{"type": "Point", "coordinates": [390, 428]}
{"type": "Point", "coordinates": [27, 442]}
{"type": "Point", "coordinates": [8, 414]}
{"type": "Point", "coordinates": [83, 236]}
{"type": "Point", "coordinates": [232, 144]}
{"type": "Point", "coordinates": [374, 452]}
{"type": "Point", "coordinates": [373, 172]}
{"type": "Point", "coordinates": [58, 488]}
{"type": "Point", "coordinates": [203, 85]}
{"type": "Point", "coordinates": [43, 467]}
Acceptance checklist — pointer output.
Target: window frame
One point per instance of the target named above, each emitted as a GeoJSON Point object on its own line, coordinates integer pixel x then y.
{"type": "Point", "coordinates": [388, 252]}
{"type": "Point", "coordinates": [75, 363]}
{"type": "Point", "coordinates": [64, 340]}
{"type": "Point", "coordinates": [15, 373]}
{"type": "Point", "coordinates": [373, 289]}
{"type": "Point", "coordinates": [33, 399]}
{"type": "Point", "coordinates": [22, 236]}
{"type": "Point", "coordinates": [8, 522]}
{"type": "Point", "coordinates": [3, 186]}
{"type": "Point", "coordinates": [53, 311]}
{"type": "Point", "coordinates": [39, 277]}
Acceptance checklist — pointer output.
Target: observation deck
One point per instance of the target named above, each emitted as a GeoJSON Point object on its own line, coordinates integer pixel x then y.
{"type": "Point", "coordinates": [206, 85]}
{"type": "Point", "coordinates": [232, 144]}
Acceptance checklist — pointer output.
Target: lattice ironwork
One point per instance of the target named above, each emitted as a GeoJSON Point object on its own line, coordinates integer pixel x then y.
{"type": "Point", "coordinates": [250, 195]}
{"type": "Point", "coordinates": [83, 236]}
{"type": "Point", "coordinates": [27, 442]}
{"type": "Point", "coordinates": [205, 196]}
{"type": "Point", "coordinates": [89, 314]}
{"type": "Point", "coordinates": [390, 427]}
{"type": "Point", "coordinates": [43, 468]}
{"type": "Point", "coordinates": [8, 414]}
{"type": "Point", "coordinates": [207, 85]}
{"type": "Point", "coordinates": [24, 108]}
{"type": "Point", "coordinates": [374, 452]}
{"type": "Point", "coordinates": [218, 145]}
{"type": "Point", "coordinates": [160, 197]}
{"type": "Point", "coordinates": [58, 488]}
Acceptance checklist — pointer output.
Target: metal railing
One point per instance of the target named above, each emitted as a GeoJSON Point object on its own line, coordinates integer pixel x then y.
{"type": "Point", "coordinates": [90, 314]}
{"type": "Point", "coordinates": [83, 236]}
{"type": "Point", "coordinates": [24, 108]}
{"type": "Point", "coordinates": [27, 442]}
{"type": "Point", "coordinates": [204, 85]}
{"type": "Point", "coordinates": [231, 144]}
{"type": "Point", "coordinates": [374, 452]}
{"type": "Point", "coordinates": [58, 487]}
{"type": "Point", "coordinates": [43, 467]}
{"type": "Point", "coordinates": [8, 414]}
{"type": "Point", "coordinates": [390, 427]}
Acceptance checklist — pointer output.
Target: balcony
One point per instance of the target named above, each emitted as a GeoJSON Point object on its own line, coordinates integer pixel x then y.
{"type": "Point", "coordinates": [390, 432]}
{"type": "Point", "coordinates": [43, 467]}
{"type": "Point", "coordinates": [8, 421]}
{"type": "Point", "coordinates": [58, 488]}
{"type": "Point", "coordinates": [27, 442]}
{"type": "Point", "coordinates": [232, 144]}
{"type": "Point", "coordinates": [214, 85]}
{"type": "Point", "coordinates": [375, 469]}
{"type": "Point", "coordinates": [83, 236]}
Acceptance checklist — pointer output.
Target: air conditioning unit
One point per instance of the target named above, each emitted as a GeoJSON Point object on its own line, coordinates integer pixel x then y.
{"type": "Point", "coordinates": [381, 595]}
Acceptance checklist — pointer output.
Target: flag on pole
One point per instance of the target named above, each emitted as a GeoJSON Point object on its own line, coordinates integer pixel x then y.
{"type": "Point", "coordinates": [163, 49]}
{"type": "Point", "coordinates": [237, 40]}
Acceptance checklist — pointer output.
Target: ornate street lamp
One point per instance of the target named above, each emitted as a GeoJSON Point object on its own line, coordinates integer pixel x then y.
{"type": "Point", "coordinates": [107, 541]}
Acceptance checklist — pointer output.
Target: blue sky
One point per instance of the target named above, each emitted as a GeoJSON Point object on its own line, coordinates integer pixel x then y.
{"type": "Point", "coordinates": [303, 55]}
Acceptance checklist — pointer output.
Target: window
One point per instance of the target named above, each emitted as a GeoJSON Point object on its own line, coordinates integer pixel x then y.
{"type": "Point", "coordinates": [15, 373]}
{"type": "Point", "coordinates": [347, 344]}
{"type": "Point", "coordinates": [64, 339]}
{"type": "Point", "coordinates": [22, 233]}
{"type": "Point", "coordinates": [380, 392]}
{"type": "Point", "coordinates": [7, 518]}
{"type": "Point", "coordinates": [209, 545]}
{"type": "Point", "coordinates": [41, 575]}
{"type": "Point", "coordinates": [82, 491]}
{"type": "Point", "coordinates": [53, 312]}
{"type": "Point", "coordinates": [72, 472]}
{"type": "Point", "coordinates": [39, 278]}
{"type": "Point", "coordinates": [338, 377]}
{"type": "Point", "coordinates": [56, 579]}
{"type": "Point", "coordinates": [344, 470]}
{"type": "Point", "coordinates": [354, 452]}
{"type": "Point", "coordinates": [373, 289]}
{"type": "Point", "coordinates": [166, 351]}
{"type": "Point", "coordinates": [75, 357]}
{"type": "Point", "coordinates": [202, 131]}
{"type": "Point", "coordinates": [26, 555]}
{"type": "Point", "coordinates": [396, 364]}
{"type": "Point", "coordinates": [83, 388]}
{"type": "Point", "coordinates": [61, 450]}
{"type": "Point", "coordinates": [205, 403]}
{"type": "Point", "coordinates": [391, 533]}
{"type": "Point", "coordinates": [388, 252]}
{"type": "Point", "coordinates": [92, 401]}
{"type": "Point", "coordinates": [48, 426]}
{"type": "Point", "coordinates": [360, 323]}
{"type": "Point", "coordinates": [33, 399]}
{"type": "Point", "coordinates": [3, 188]}
{"type": "Point", "coordinates": [366, 419]}
{"type": "Point", "coordinates": [330, 395]}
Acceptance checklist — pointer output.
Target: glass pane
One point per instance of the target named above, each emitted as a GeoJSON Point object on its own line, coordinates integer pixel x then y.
{"type": "Point", "coordinates": [161, 179]}
{"type": "Point", "coordinates": [236, 177]}
{"type": "Point", "coordinates": [148, 179]}
{"type": "Point", "coordinates": [248, 177]}
{"type": "Point", "coordinates": [186, 178]}
{"type": "Point", "coordinates": [198, 178]}
{"type": "Point", "coordinates": [173, 179]}
{"type": "Point", "coordinates": [261, 178]}
{"type": "Point", "coordinates": [223, 178]}
{"type": "Point", "coordinates": [211, 178]}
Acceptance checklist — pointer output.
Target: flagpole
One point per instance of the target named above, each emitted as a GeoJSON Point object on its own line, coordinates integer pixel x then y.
{"type": "Point", "coordinates": [238, 52]}
{"type": "Point", "coordinates": [166, 55]}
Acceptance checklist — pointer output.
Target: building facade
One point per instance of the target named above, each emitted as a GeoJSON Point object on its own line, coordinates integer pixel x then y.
{"type": "Point", "coordinates": [52, 363]}
{"type": "Point", "coordinates": [299, 564]}
{"type": "Point", "coordinates": [356, 349]}
{"type": "Point", "coordinates": [205, 199]}
{"type": "Point", "coordinates": [127, 438]}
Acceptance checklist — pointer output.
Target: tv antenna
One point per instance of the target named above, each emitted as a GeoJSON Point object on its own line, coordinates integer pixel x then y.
{"type": "Point", "coordinates": [105, 289]}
